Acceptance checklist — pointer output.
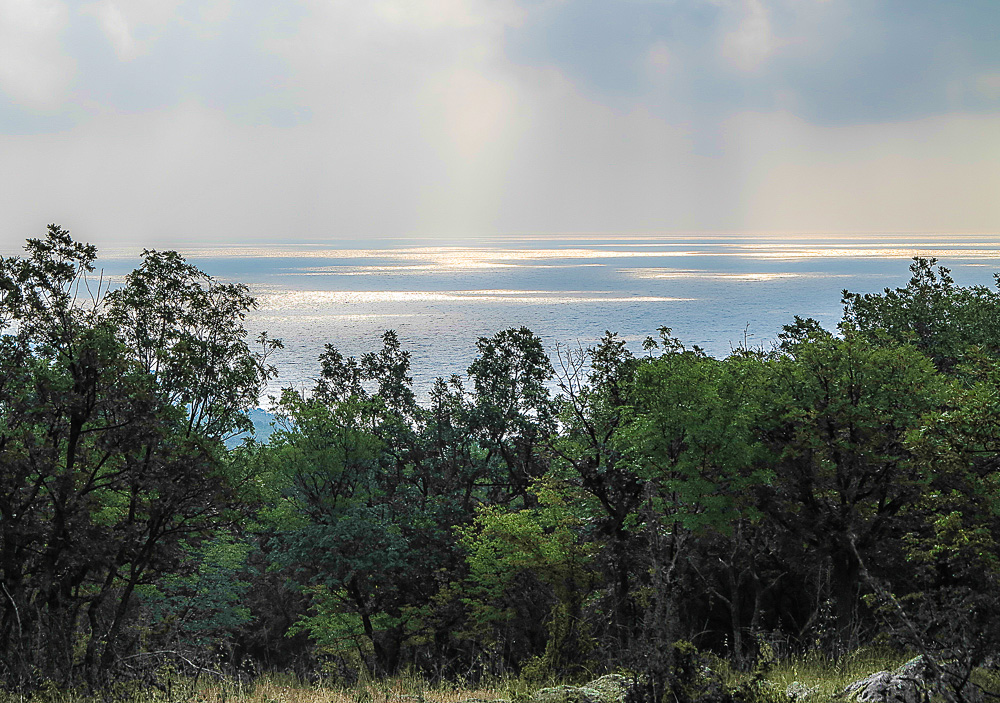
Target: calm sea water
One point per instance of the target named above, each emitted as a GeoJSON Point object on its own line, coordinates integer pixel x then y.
{"type": "Point", "coordinates": [716, 291]}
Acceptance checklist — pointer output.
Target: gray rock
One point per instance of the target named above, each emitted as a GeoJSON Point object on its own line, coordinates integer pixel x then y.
{"type": "Point", "coordinates": [606, 689]}
{"type": "Point", "coordinates": [878, 687]}
{"type": "Point", "coordinates": [916, 681]}
{"type": "Point", "coordinates": [566, 694]}
{"type": "Point", "coordinates": [797, 691]}
{"type": "Point", "coordinates": [611, 688]}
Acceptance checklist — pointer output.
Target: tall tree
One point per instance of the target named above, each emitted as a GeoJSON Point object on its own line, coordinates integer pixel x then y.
{"type": "Point", "coordinates": [591, 454]}
{"type": "Point", "coordinates": [835, 418]}
{"type": "Point", "coordinates": [512, 413]}
{"type": "Point", "coordinates": [692, 444]}
{"type": "Point", "coordinates": [112, 412]}
{"type": "Point", "coordinates": [361, 523]}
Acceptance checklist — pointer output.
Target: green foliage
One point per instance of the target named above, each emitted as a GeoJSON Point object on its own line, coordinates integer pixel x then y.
{"type": "Point", "coordinates": [186, 332]}
{"type": "Point", "coordinates": [112, 411]}
{"type": "Point", "coordinates": [943, 320]}
{"type": "Point", "coordinates": [693, 434]}
{"type": "Point", "coordinates": [336, 628]}
{"type": "Point", "coordinates": [543, 541]}
{"type": "Point", "coordinates": [199, 604]}
{"type": "Point", "coordinates": [337, 525]}
{"type": "Point", "coordinates": [836, 417]}
{"type": "Point", "coordinates": [350, 522]}
{"type": "Point", "coordinates": [511, 415]}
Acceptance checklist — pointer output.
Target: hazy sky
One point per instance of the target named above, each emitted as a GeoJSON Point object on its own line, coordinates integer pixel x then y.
{"type": "Point", "coordinates": [165, 122]}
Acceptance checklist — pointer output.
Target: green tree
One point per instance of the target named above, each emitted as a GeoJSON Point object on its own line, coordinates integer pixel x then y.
{"type": "Point", "coordinates": [946, 604]}
{"type": "Point", "coordinates": [942, 319]}
{"type": "Point", "coordinates": [591, 455]}
{"type": "Point", "coordinates": [362, 522]}
{"type": "Point", "coordinates": [835, 418]}
{"type": "Point", "coordinates": [373, 486]}
{"type": "Point", "coordinates": [693, 443]}
{"type": "Point", "coordinates": [512, 414]}
{"type": "Point", "coordinates": [336, 530]}
{"type": "Point", "coordinates": [112, 450]}
{"type": "Point", "coordinates": [692, 433]}
{"type": "Point", "coordinates": [507, 549]}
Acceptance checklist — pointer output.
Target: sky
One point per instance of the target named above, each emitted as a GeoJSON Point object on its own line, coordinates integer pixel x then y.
{"type": "Point", "coordinates": [179, 122]}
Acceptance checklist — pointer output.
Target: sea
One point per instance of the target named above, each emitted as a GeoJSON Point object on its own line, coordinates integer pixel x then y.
{"type": "Point", "coordinates": [718, 291]}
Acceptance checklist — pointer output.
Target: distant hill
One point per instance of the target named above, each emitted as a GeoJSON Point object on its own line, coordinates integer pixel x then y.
{"type": "Point", "coordinates": [262, 428]}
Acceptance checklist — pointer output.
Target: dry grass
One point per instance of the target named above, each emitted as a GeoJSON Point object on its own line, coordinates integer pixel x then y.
{"type": "Point", "coordinates": [397, 690]}
{"type": "Point", "coordinates": [285, 689]}
{"type": "Point", "coordinates": [831, 676]}
{"type": "Point", "coordinates": [825, 676]}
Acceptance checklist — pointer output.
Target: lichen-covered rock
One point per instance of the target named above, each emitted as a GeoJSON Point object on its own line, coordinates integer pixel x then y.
{"type": "Point", "coordinates": [877, 687]}
{"type": "Point", "coordinates": [797, 691]}
{"type": "Point", "coordinates": [914, 682]}
{"type": "Point", "coordinates": [606, 689]}
{"type": "Point", "coordinates": [566, 694]}
{"type": "Point", "coordinates": [611, 688]}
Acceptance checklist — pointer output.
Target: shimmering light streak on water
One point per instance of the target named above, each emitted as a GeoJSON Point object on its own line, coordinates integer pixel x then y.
{"type": "Point", "coordinates": [311, 298]}
{"type": "Point", "coordinates": [649, 273]}
{"type": "Point", "coordinates": [716, 290]}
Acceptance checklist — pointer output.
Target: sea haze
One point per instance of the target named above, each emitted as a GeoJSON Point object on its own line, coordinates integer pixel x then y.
{"type": "Point", "coordinates": [715, 291]}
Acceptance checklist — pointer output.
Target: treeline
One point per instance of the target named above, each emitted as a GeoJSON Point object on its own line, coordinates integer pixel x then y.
{"type": "Point", "coordinates": [838, 490]}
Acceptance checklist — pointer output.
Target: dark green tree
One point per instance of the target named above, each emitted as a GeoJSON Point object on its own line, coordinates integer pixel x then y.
{"type": "Point", "coordinates": [943, 320]}
{"type": "Point", "coordinates": [512, 413]}
{"type": "Point", "coordinates": [362, 521]}
{"type": "Point", "coordinates": [591, 458]}
{"type": "Point", "coordinates": [113, 408]}
{"type": "Point", "coordinates": [373, 487]}
{"type": "Point", "coordinates": [835, 418]}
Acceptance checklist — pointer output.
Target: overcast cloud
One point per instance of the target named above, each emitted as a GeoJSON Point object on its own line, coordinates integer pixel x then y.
{"type": "Point", "coordinates": [164, 122]}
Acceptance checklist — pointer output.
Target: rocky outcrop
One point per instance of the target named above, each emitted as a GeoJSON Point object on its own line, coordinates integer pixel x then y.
{"type": "Point", "coordinates": [607, 689]}
{"type": "Point", "coordinates": [916, 681]}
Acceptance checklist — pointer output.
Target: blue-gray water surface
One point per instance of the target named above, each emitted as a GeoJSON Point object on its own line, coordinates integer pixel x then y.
{"type": "Point", "coordinates": [716, 291]}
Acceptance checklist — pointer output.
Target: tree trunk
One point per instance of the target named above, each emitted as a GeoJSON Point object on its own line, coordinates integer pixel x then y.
{"type": "Point", "coordinates": [844, 586]}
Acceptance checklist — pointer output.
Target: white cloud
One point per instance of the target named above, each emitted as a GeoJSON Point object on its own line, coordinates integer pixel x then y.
{"type": "Point", "coordinates": [470, 111]}
{"type": "Point", "coordinates": [436, 14]}
{"type": "Point", "coordinates": [215, 11]}
{"type": "Point", "coordinates": [474, 123]}
{"type": "Point", "coordinates": [586, 167]}
{"type": "Point", "coordinates": [659, 58]}
{"type": "Point", "coordinates": [120, 20]}
{"type": "Point", "coordinates": [35, 72]}
{"type": "Point", "coordinates": [484, 147]}
{"type": "Point", "coordinates": [751, 42]}
{"type": "Point", "coordinates": [929, 174]}
{"type": "Point", "coordinates": [392, 39]}
{"type": "Point", "coordinates": [116, 29]}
